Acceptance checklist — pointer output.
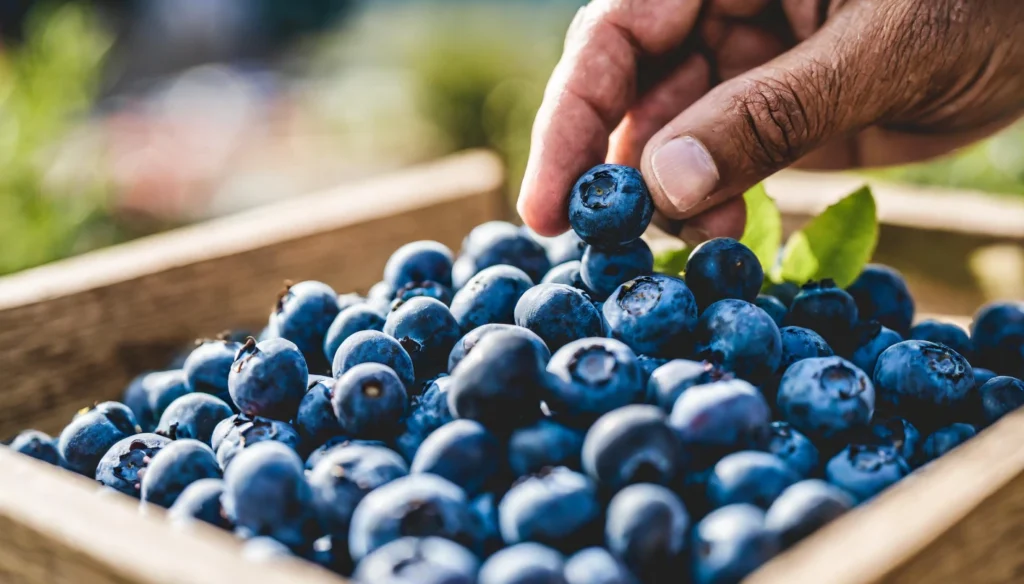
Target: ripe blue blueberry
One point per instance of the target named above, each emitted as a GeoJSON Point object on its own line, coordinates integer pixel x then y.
{"type": "Point", "coordinates": [749, 477]}
{"type": "Point", "coordinates": [1000, 396]}
{"type": "Point", "coordinates": [462, 451]}
{"type": "Point", "coordinates": [605, 269]}
{"type": "Point", "coordinates": [648, 365]}
{"type": "Point", "coordinates": [632, 445]}
{"type": "Point", "coordinates": [315, 420]}
{"type": "Point", "coordinates": [148, 395]}
{"type": "Point", "coordinates": [982, 376]}
{"type": "Point", "coordinates": [351, 299]}
{"type": "Point", "coordinates": [740, 337]}
{"type": "Point", "coordinates": [490, 297]}
{"type": "Point", "coordinates": [416, 262]}
{"type": "Point", "coordinates": [558, 314]}
{"type": "Point", "coordinates": [655, 315]}
{"type": "Point", "coordinates": [567, 273]}
{"type": "Point", "coordinates": [36, 444]}
{"type": "Point", "coordinates": [730, 543]}
{"type": "Point", "coordinates": [825, 397]}
{"type": "Point", "coordinates": [193, 415]}
{"type": "Point", "coordinates": [647, 528]}
{"type": "Point", "coordinates": [998, 335]}
{"type": "Point", "coordinates": [881, 294]}
{"type": "Point", "coordinates": [176, 466]}
{"type": "Point", "coordinates": [805, 508]}
{"type": "Point", "coordinates": [594, 376]}
{"type": "Point", "coordinates": [84, 441]}
{"type": "Point", "coordinates": [524, 563]}
{"type": "Point", "coordinates": [419, 560]}
{"type": "Point", "coordinates": [495, 243]}
{"type": "Point", "coordinates": [794, 449]}
{"type": "Point", "coordinates": [344, 476]}
{"type": "Point", "coordinates": [207, 367]}
{"type": "Point", "coordinates": [544, 444]}
{"type": "Point", "coordinates": [241, 432]}
{"type": "Point", "coordinates": [123, 466]}
{"type": "Point", "coordinates": [596, 565]}
{"type": "Point", "coordinates": [350, 321]}
{"type": "Point", "coordinates": [337, 443]}
{"type": "Point", "coordinates": [865, 470]}
{"type": "Point", "coordinates": [439, 292]}
{"type": "Point", "coordinates": [268, 379]}
{"type": "Point", "coordinates": [719, 418]}
{"type": "Point", "coordinates": [723, 268]}
{"type": "Point", "coordinates": [945, 440]}
{"type": "Point", "coordinates": [872, 339]}
{"type": "Point", "coordinates": [945, 333]}
{"type": "Point", "coordinates": [800, 343]}
{"type": "Point", "coordinates": [610, 206]}
{"type": "Point", "coordinates": [485, 513]}
{"type": "Point", "coordinates": [922, 381]}
{"type": "Point", "coordinates": [896, 433]}
{"type": "Point", "coordinates": [467, 342]}
{"type": "Point", "coordinates": [556, 507]}
{"type": "Point", "coordinates": [428, 412]}
{"type": "Point", "coordinates": [427, 331]}
{"type": "Point", "coordinates": [560, 249]}
{"type": "Point", "coordinates": [201, 501]}
{"type": "Point", "coordinates": [785, 292]}
{"type": "Point", "coordinates": [670, 380]}
{"type": "Point", "coordinates": [773, 306]}
{"type": "Point", "coordinates": [375, 347]}
{"type": "Point", "coordinates": [303, 313]}
{"type": "Point", "coordinates": [827, 310]}
{"type": "Point", "coordinates": [369, 400]}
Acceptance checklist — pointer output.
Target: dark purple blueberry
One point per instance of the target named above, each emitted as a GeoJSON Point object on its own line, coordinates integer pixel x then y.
{"type": "Point", "coordinates": [490, 297]}
{"type": "Point", "coordinates": [605, 269]}
{"type": "Point", "coordinates": [998, 336]}
{"type": "Point", "coordinates": [826, 397]}
{"type": "Point", "coordinates": [740, 337]}
{"type": "Point", "coordinates": [945, 333]}
{"type": "Point", "coordinates": [723, 268]}
{"type": "Point", "coordinates": [419, 261]}
{"type": "Point", "coordinates": [594, 376]}
{"type": "Point", "coordinates": [827, 310]}
{"type": "Point", "coordinates": [268, 379]}
{"type": "Point", "coordinates": [881, 294]}
{"type": "Point", "coordinates": [369, 400]}
{"type": "Point", "coordinates": [427, 331]}
{"type": "Point", "coordinates": [558, 314]}
{"type": "Point", "coordinates": [193, 415]}
{"type": "Point", "coordinates": [610, 206]}
{"type": "Point", "coordinates": [655, 315]}
{"type": "Point", "coordinates": [1000, 396]}
{"type": "Point", "coordinates": [923, 382]}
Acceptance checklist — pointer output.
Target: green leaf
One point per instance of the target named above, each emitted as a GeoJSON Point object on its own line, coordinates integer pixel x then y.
{"type": "Point", "coordinates": [672, 261]}
{"type": "Point", "coordinates": [836, 244]}
{"type": "Point", "coordinates": [763, 233]}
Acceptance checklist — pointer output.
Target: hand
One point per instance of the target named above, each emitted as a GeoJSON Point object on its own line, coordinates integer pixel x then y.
{"type": "Point", "coordinates": [709, 97]}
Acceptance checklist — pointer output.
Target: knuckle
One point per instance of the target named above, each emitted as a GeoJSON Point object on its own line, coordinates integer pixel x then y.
{"type": "Point", "coordinates": [777, 126]}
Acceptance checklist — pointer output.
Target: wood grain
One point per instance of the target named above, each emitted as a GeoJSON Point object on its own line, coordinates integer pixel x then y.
{"type": "Point", "coordinates": [78, 330]}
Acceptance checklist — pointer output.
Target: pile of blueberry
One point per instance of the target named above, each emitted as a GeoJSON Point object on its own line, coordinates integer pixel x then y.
{"type": "Point", "coordinates": [551, 410]}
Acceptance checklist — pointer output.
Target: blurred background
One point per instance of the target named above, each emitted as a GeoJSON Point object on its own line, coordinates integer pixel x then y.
{"type": "Point", "coordinates": [119, 118]}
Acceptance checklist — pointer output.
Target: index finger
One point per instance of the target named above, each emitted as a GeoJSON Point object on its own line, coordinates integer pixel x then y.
{"type": "Point", "coordinates": [590, 91]}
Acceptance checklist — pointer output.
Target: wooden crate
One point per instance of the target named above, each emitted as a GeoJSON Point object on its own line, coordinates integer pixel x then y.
{"type": "Point", "coordinates": [76, 331]}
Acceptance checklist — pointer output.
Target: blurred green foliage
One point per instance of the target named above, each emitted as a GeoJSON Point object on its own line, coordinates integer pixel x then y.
{"type": "Point", "coordinates": [45, 85]}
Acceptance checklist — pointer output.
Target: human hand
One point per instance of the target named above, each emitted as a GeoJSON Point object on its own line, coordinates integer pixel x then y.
{"type": "Point", "coordinates": [709, 97]}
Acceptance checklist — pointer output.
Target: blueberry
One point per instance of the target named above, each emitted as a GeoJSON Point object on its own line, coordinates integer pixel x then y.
{"type": "Point", "coordinates": [463, 270]}
{"type": "Point", "coordinates": [881, 294]}
{"type": "Point", "coordinates": [560, 249]}
{"type": "Point", "coordinates": [193, 415]}
{"type": "Point", "coordinates": [872, 340]}
{"type": "Point", "coordinates": [344, 476]}
{"type": "Point", "coordinates": [467, 342]}
{"type": "Point", "coordinates": [150, 394]}
{"type": "Point", "coordinates": [123, 466]}
{"type": "Point", "coordinates": [207, 367]}
{"type": "Point", "coordinates": [303, 314]}
{"type": "Point", "coordinates": [805, 508]}
{"type": "Point", "coordinates": [944, 440]}
{"type": "Point", "coordinates": [419, 261]}
{"type": "Point", "coordinates": [176, 466]}
{"type": "Point", "coordinates": [998, 335]}
{"type": "Point", "coordinates": [544, 444]}
{"type": "Point", "coordinates": [773, 306]}
{"type": "Point", "coordinates": [647, 528]}
{"type": "Point", "coordinates": [427, 331]}
{"type": "Point", "coordinates": [419, 560]}
{"type": "Point", "coordinates": [315, 420]}
{"type": "Point", "coordinates": [92, 433]}
{"type": "Point", "coordinates": [497, 242]}
{"type": "Point", "coordinates": [793, 448]}
{"type": "Point", "coordinates": [740, 337]}
{"type": "Point", "coordinates": [375, 347]}
{"type": "Point", "coordinates": [350, 321]}
{"type": "Point", "coordinates": [826, 397]}
{"type": "Point", "coordinates": [785, 292]}
{"type": "Point", "coordinates": [567, 273]}
{"type": "Point", "coordinates": [336, 443]}
{"type": "Point", "coordinates": [485, 513]}
{"type": "Point", "coordinates": [439, 292]}
{"type": "Point", "coordinates": [418, 505]}
{"type": "Point", "coordinates": [558, 314]}
{"type": "Point", "coordinates": [557, 507]}
{"type": "Point", "coordinates": [268, 379]}
{"type": "Point", "coordinates": [731, 543]}
{"type": "Point", "coordinates": [369, 400]}
{"type": "Point", "coordinates": [524, 563]}
{"type": "Point", "coordinates": [462, 451]}
{"type": "Point", "coordinates": [723, 268]}
{"type": "Point", "coordinates": [499, 384]}
{"type": "Point", "coordinates": [670, 380]}
{"type": "Point", "coordinates": [352, 299]}
{"type": "Point", "coordinates": [603, 270]}
{"type": "Point", "coordinates": [595, 565]}
{"type": "Point", "coordinates": [630, 445]}
{"type": "Point", "coordinates": [800, 343]}
{"type": "Point", "coordinates": [429, 411]}
{"type": "Point", "coordinates": [610, 206]}
{"type": "Point", "coordinates": [201, 501]}
{"type": "Point", "coordinates": [655, 315]}
{"type": "Point", "coordinates": [865, 470]}
{"type": "Point", "coordinates": [490, 297]}
{"type": "Point", "coordinates": [982, 376]}
{"type": "Point", "coordinates": [242, 432]}
{"type": "Point", "coordinates": [750, 477]}
{"type": "Point", "coordinates": [261, 550]}
{"type": "Point", "coordinates": [719, 418]}
{"type": "Point", "coordinates": [827, 310]}
{"type": "Point", "coordinates": [1000, 396]}
{"type": "Point", "coordinates": [594, 376]}
{"type": "Point", "coordinates": [922, 381]}
{"type": "Point", "coordinates": [266, 494]}
{"type": "Point", "coordinates": [896, 433]}
{"type": "Point", "coordinates": [36, 444]}
{"type": "Point", "coordinates": [945, 333]}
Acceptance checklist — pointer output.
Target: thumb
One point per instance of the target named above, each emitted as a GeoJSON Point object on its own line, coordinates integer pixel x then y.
{"type": "Point", "coordinates": [751, 126]}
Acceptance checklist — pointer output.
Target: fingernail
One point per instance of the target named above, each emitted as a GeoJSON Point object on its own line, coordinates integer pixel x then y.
{"type": "Point", "coordinates": [685, 172]}
{"type": "Point", "coordinates": [693, 235]}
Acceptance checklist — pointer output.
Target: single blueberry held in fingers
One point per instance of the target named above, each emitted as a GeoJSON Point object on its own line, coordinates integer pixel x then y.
{"type": "Point", "coordinates": [749, 477]}
{"type": "Point", "coordinates": [881, 294]}
{"type": "Point", "coordinates": [872, 339]}
{"type": "Point", "coordinates": [825, 397]}
{"type": "Point", "coordinates": [176, 466]}
{"type": "Point", "coordinates": [427, 331]}
{"type": "Point", "coordinates": [344, 476]}
{"type": "Point", "coordinates": [596, 565]}
{"type": "Point", "coordinates": [201, 501]}
{"type": "Point", "coordinates": [630, 445]}
{"type": "Point", "coordinates": [350, 321]}
{"type": "Point", "coordinates": [375, 347]}
{"type": "Point", "coordinates": [462, 451]}
{"type": "Point", "coordinates": [865, 470]}
{"type": "Point", "coordinates": [1000, 396]}
{"type": "Point", "coordinates": [805, 508]}
{"type": "Point", "coordinates": [793, 448]}
{"type": "Point", "coordinates": [498, 242]}
{"type": "Point", "coordinates": [268, 379]}
{"type": "Point", "coordinates": [730, 543]}
{"type": "Point", "coordinates": [595, 376]}
{"type": "Point", "coordinates": [922, 381]}
{"type": "Point", "coordinates": [945, 333]}
{"type": "Point", "coordinates": [655, 315]}
{"type": "Point", "coordinates": [89, 436]}
{"type": "Point", "coordinates": [315, 420]}
{"type": "Point", "coordinates": [998, 336]}
{"type": "Point", "coordinates": [149, 394]}
{"type": "Point", "coordinates": [719, 418]}
{"type": "Point", "coordinates": [647, 528]}
{"type": "Point", "coordinates": [544, 444]}
{"type": "Point", "coordinates": [417, 262]}
{"type": "Point", "coordinates": [800, 343]}
{"type": "Point", "coordinates": [557, 507]}
{"type": "Point", "coordinates": [670, 380]}
{"type": "Point", "coordinates": [490, 297]}
{"type": "Point", "coordinates": [36, 444]}
{"type": "Point", "coordinates": [419, 560]}
{"type": "Point", "coordinates": [208, 366]}
{"type": "Point", "coordinates": [303, 313]}
{"type": "Point", "coordinates": [241, 432]}
{"type": "Point", "coordinates": [470, 340]}
{"type": "Point", "coordinates": [723, 268]}
{"type": "Point", "coordinates": [524, 563]}
{"type": "Point", "coordinates": [605, 269]}
{"type": "Point", "coordinates": [567, 273]}
{"type": "Point", "coordinates": [610, 206]}
{"type": "Point", "coordinates": [558, 314]}
{"type": "Point", "coordinates": [945, 440]}
{"type": "Point", "coordinates": [123, 466]}
{"type": "Point", "coordinates": [369, 400]}
{"type": "Point", "coordinates": [827, 310]}
{"type": "Point", "coordinates": [193, 415]}
{"type": "Point", "coordinates": [740, 337]}
{"type": "Point", "coordinates": [773, 306]}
